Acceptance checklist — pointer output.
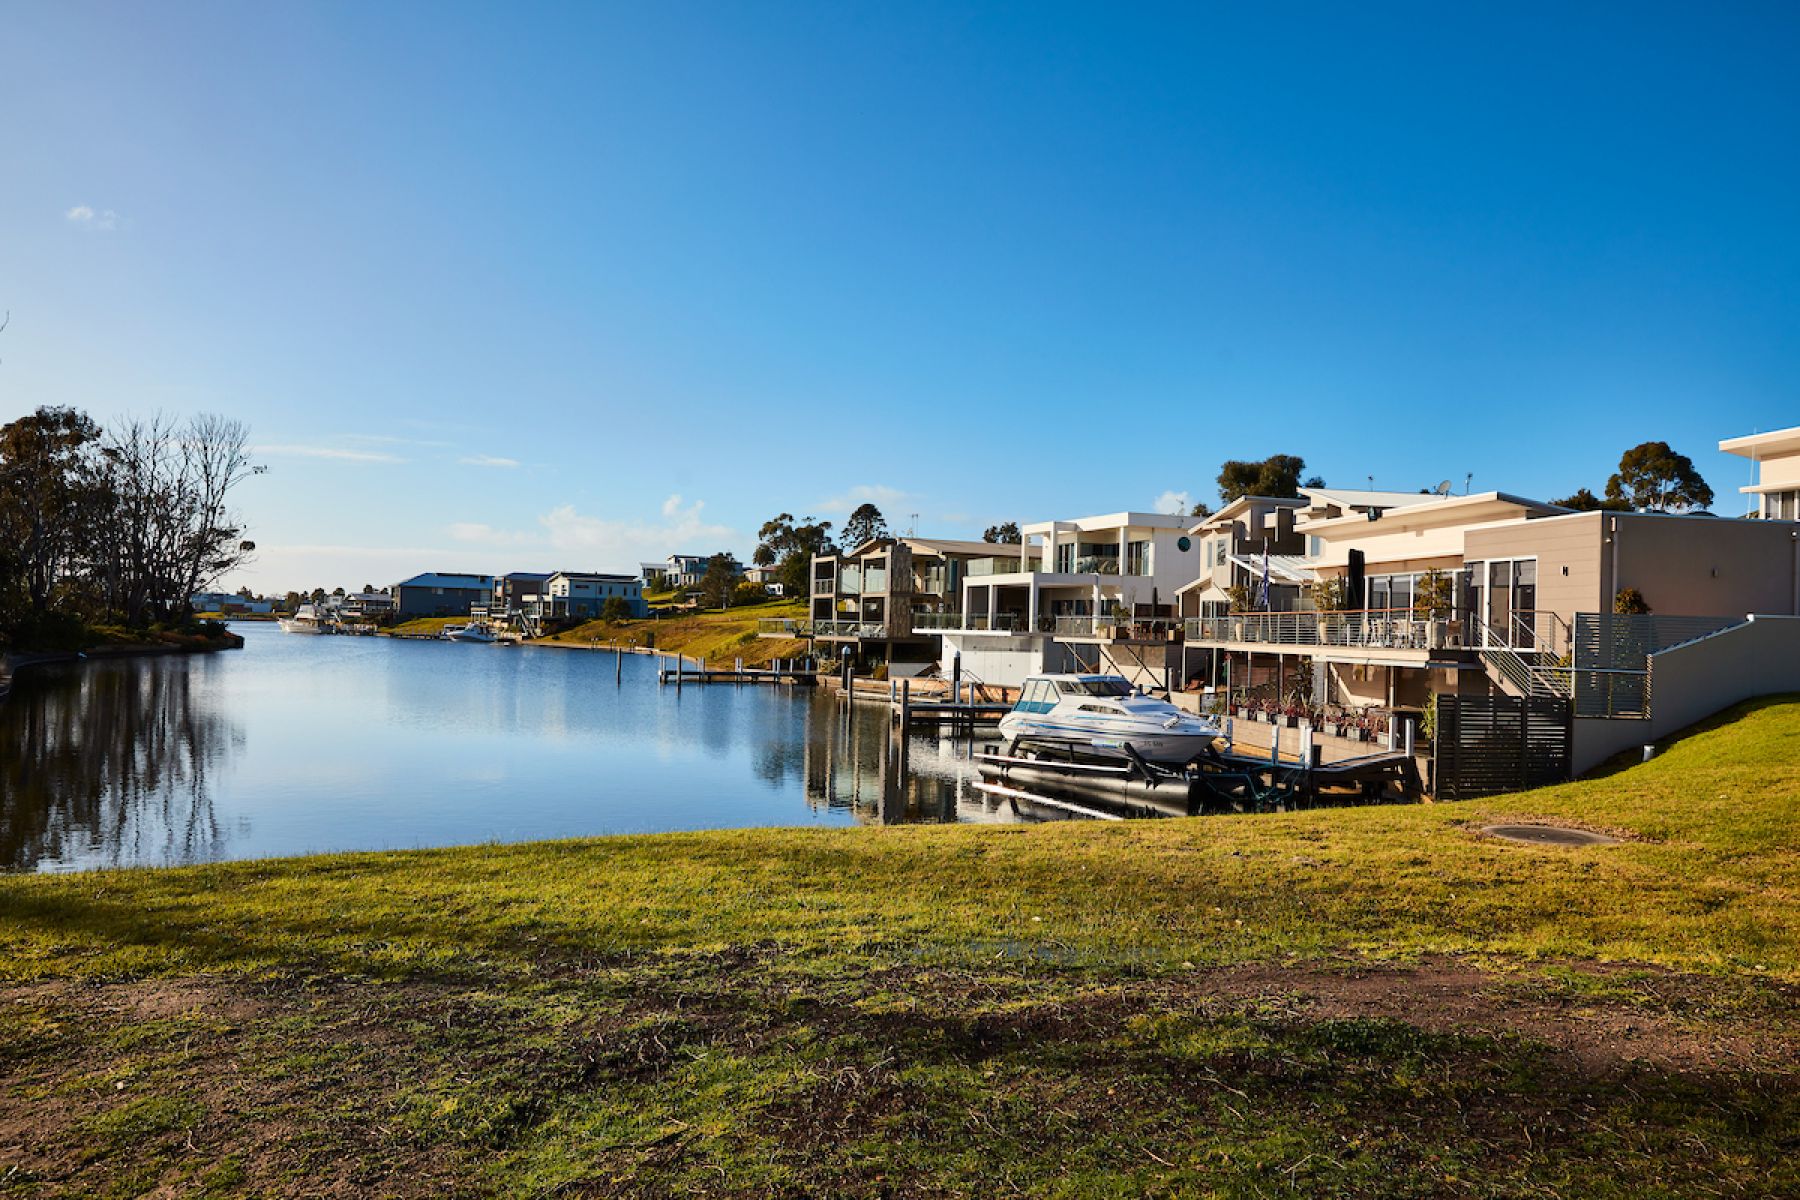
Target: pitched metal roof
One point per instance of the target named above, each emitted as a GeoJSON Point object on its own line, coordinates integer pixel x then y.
{"type": "Point", "coordinates": [445, 580]}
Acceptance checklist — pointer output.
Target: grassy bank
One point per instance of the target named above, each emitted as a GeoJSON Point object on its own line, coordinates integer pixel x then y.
{"type": "Point", "coordinates": [425, 626]}
{"type": "Point", "coordinates": [720, 636]}
{"type": "Point", "coordinates": [1375, 1001]}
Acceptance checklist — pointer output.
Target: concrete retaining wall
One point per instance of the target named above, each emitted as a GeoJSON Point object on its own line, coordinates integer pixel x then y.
{"type": "Point", "coordinates": [1691, 682]}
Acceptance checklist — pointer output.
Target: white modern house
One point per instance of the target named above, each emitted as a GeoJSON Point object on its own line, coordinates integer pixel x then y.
{"type": "Point", "coordinates": [1089, 594]}
{"type": "Point", "coordinates": [1776, 492]}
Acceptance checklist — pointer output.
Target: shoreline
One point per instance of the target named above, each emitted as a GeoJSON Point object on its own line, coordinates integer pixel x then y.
{"type": "Point", "coordinates": [15, 663]}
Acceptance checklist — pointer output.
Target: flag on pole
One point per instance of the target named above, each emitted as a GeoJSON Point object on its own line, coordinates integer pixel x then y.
{"type": "Point", "coordinates": [1262, 591]}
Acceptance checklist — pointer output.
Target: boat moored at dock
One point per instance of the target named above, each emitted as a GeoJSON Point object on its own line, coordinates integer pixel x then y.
{"type": "Point", "coordinates": [1103, 715]}
{"type": "Point", "coordinates": [306, 619]}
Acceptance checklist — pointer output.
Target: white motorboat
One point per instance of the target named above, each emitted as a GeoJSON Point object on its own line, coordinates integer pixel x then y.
{"type": "Point", "coordinates": [474, 631]}
{"type": "Point", "coordinates": [1101, 715]}
{"type": "Point", "coordinates": [306, 619]}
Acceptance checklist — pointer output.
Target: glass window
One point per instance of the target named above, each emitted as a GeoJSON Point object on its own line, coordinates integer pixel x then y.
{"type": "Point", "coordinates": [1400, 592]}
{"type": "Point", "coordinates": [1137, 558]}
{"type": "Point", "coordinates": [1101, 686]}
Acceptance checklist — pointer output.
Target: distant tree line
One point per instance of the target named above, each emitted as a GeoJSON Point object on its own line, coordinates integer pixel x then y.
{"type": "Point", "coordinates": [118, 525]}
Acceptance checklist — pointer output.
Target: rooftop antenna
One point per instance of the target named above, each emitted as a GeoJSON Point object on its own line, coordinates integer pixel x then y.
{"type": "Point", "coordinates": [1371, 483]}
{"type": "Point", "coordinates": [1467, 480]}
{"type": "Point", "coordinates": [913, 529]}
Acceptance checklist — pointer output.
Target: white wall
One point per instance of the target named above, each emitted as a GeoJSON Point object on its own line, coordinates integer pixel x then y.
{"type": "Point", "coordinates": [1002, 661]}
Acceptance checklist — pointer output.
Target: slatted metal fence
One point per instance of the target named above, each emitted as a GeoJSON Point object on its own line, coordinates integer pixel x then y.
{"type": "Point", "coordinates": [1499, 743]}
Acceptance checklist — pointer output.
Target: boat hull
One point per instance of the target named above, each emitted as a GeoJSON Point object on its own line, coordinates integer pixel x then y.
{"type": "Point", "coordinates": [306, 627]}
{"type": "Point", "coordinates": [1153, 745]}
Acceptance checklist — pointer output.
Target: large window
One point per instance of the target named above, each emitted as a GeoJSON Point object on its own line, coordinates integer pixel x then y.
{"type": "Point", "coordinates": [1137, 558]}
{"type": "Point", "coordinates": [1502, 594]}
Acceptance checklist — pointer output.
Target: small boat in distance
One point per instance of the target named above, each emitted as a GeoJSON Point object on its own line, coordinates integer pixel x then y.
{"type": "Point", "coordinates": [306, 619]}
{"type": "Point", "coordinates": [1101, 715]}
{"type": "Point", "coordinates": [474, 631]}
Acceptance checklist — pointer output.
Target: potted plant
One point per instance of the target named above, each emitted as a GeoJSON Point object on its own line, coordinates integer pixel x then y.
{"type": "Point", "coordinates": [1433, 601]}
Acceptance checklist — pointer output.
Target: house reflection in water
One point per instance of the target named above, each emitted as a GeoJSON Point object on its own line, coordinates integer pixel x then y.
{"type": "Point", "coordinates": [859, 762]}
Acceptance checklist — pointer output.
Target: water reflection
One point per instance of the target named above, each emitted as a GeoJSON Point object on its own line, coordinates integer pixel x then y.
{"type": "Point", "coordinates": [295, 745]}
{"type": "Point", "coordinates": [108, 764]}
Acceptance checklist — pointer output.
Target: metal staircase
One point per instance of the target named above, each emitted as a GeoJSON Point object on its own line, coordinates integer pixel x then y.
{"type": "Point", "coordinates": [1521, 659]}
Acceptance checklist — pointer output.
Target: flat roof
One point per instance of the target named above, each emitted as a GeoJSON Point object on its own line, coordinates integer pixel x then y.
{"type": "Point", "coordinates": [1438, 510]}
{"type": "Point", "coordinates": [1365, 498]}
{"type": "Point", "coordinates": [1118, 520]}
{"type": "Point", "coordinates": [1763, 445]}
{"type": "Point", "coordinates": [944, 546]}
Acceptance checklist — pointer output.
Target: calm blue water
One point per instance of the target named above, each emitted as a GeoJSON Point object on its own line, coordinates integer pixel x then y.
{"type": "Point", "coordinates": [301, 744]}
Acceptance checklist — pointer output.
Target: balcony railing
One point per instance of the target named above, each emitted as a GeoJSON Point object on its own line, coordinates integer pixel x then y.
{"type": "Point", "coordinates": [1386, 629]}
{"type": "Point", "coordinates": [782, 627]}
{"type": "Point", "coordinates": [930, 622]}
{"type": "Point", "coordinates": [1122, 629]}
{"type": "Point", "coordinates": [849, 629]}
{"type": "Point", "coordinates": [1002, 566]}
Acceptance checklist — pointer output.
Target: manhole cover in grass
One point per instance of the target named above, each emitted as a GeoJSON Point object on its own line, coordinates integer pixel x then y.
{"type": "Point", "coordinates": [1549, 835]}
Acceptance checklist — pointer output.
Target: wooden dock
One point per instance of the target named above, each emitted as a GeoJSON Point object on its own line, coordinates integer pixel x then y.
{"type": "Point", "coordinates": [949, 712]}
{"type": "Point", "coordinates": [681, 675]}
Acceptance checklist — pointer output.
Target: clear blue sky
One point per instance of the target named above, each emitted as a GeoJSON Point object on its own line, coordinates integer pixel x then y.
{"type": "Point", "coordinates": [509, 287]}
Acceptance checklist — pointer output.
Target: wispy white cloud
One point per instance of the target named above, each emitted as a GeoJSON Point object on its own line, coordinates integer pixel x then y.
{"type": "Point", "coordinates": [1175, 503]}
{"type": "Point", "coordinates": [487, 460]}
{"type": "Point", "coordinates": [880, 495]}
{"type": "Point", "coordinates": [89, 217]}
{"type": "Point", "coordinates": [333, 453]}
{"type": "Point", "coordinates": [388, 439]}
{"type": "Point", "coordinates": [683, 528]}
{"type": "Point", "coordinates": [606, 542]}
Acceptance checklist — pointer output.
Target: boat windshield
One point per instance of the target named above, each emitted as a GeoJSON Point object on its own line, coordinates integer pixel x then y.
{"type": "Point", "coordinates": [1094, 687]}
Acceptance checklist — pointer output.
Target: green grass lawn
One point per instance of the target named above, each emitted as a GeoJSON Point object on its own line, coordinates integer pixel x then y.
{"type": "Point", "coordinates": [1366, 1001]}
{"type": "Point", "coordinates": [429, 626]}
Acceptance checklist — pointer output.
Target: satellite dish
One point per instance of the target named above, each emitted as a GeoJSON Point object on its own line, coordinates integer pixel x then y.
{"type": "Point", "coordinates": [1442, 489]}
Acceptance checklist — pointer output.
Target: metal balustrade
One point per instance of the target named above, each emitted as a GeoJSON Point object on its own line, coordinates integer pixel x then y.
{"type": "Point", "coordinates": [1387, 629]}
{"type": "Point", "coordinates": [930, 622]}
{"type": "Point", "coordinates": [849, 629]}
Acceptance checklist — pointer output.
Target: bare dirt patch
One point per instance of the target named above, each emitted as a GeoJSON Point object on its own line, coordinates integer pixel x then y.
{"type": "Point", "coordinates": [345, 1087]}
